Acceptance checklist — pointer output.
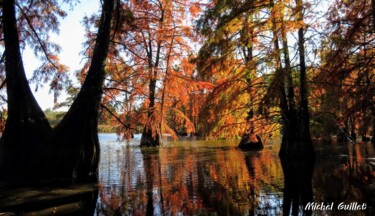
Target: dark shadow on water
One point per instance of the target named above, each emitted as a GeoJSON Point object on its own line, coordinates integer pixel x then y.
{"type": "Point", "coordinates": [297, 186]}
{"type": "Point", "coordinates": [49, 200]}
{"type": "Point", "coordinates": [152, 170]}
{"type": "Point", "coordinates": [345, 174]}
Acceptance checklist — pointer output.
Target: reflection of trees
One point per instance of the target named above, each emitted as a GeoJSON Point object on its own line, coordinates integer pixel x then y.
{"type": "Point", "coordinates": [191, 181]}
{"type": "Point", "coordinates": [265, 174]}
{"type": "Point", "coordinates": [297, 185]}
{"type": "Point", "coordinates": [346, 176]}
{"type": "Point", "coordinates": [122, 188]}
{"type": "Point", "coordinates": [221, 181]}
{"type": "Point", "coordinates": [151, 164]}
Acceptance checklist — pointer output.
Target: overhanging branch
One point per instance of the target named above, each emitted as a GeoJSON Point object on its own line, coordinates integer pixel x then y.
{"type": "Point", "coordinates": [127, 126]}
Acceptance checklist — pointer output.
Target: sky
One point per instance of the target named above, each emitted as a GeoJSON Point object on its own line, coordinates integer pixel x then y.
{"type": "Point", "coordinates": [70, 38]}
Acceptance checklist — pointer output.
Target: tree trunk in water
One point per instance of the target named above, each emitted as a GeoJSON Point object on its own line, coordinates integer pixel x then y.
{"type": "Point", "coordinates": [296, 143]}
{"type": "Point", "coordinates": [75, 150]}
{"type": "Point", "coordinates": [304, 127]}
{"type": "Point", "coordinates": [150, 134]}
{"type": "Point", "coordinates": [288, 116]}
{"type": "Point", "coordinates": [29, 148]}
{"type": "Point", "coordinates": [27, 128]}
{"type": "Point", "coordinates": [248, 35]}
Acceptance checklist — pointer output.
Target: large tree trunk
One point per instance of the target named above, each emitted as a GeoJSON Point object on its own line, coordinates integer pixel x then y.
{"type": "Point", "coordinates": [27, 128]}
{"type": "Point", "coordinates": [297, 142]}
{"type": "Point", "coordinates": [29, 148]}
{"type": "Point", "coordinates": [287, 116]}
{"type": "Point", "coordinates": [75, 150]}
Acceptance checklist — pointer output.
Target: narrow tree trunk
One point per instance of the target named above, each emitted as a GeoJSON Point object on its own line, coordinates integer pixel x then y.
{"type": "Point", "coordinates": [150, 134]}
{"type": "Point", "coordinates": [247, 139]}
{"type": "Point", "coordinates": [373, 126]}
{"type": "Point", "coordinates": [287, 121]}
{"type": "Point", "coordinates": [27, 128]}
{"type": "Point", "coordinates": [291, 129]}
{"type": "Point", "coordinates": [165, 83]}
{"type": "Point", "coordinates": [304, 127]}
{"type": "Point", "coordinates": [289, 86]}
{"type": "Point", "coordinates": [75, 151]}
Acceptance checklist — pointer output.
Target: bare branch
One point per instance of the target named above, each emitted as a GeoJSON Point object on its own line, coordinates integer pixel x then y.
{"type": "Point", "coordinates": [116, 117]}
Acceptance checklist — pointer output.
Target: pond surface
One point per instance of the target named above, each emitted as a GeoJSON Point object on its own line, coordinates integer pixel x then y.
{"type": "Point", "coordinates": [216, 178]}
{"type": "Point", "coordinates": [194, 177]}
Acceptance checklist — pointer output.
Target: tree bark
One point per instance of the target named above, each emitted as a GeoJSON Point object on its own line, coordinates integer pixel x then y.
{"type": "Point", "coordinates": [286, 116]}
{"type": "Point", "coordinates": [248, 35]}
{"type": "Point", "coordinates": [304, 106]}
{"type": "Point", "coordinates": [29, 148]}
{"type": "Point", "coordinates": [150, 134]}
{"type": "Point", "coordinates": [373, 126]}
{"type": "Point", "coordinates": [76, 137]}
{"type": "Point", "coordinates": [27, 129]}
{"type": "Point", "coordinates": [296, 143]}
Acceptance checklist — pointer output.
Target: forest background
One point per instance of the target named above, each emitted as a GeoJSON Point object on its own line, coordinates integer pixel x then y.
{"type": "Point", "coordinates": [214, 69]}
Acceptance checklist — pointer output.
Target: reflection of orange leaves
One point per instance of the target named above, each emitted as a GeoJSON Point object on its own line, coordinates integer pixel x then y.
{"type": "Point", "coordinates": [189, 164]}
{"type": "Point", "coordinates": [358, 154]}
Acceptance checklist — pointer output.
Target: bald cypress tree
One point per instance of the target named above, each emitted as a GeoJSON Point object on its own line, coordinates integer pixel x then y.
{"type": "Point", "coordinates": [29, 148]}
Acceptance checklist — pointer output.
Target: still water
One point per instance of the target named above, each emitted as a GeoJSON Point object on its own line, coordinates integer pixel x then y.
{"type": "Point", "coordinates": [216, 178]}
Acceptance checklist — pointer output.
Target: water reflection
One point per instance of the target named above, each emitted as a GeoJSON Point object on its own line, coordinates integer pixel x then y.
{"type": "Point", "coordinates": [197, 178]}
{"type": "Point", "coordinates": [345, 174]}
{"type": "Point", "coordinates": [297, 186]}
{"type": "Point", "coordinates": [215, 178]}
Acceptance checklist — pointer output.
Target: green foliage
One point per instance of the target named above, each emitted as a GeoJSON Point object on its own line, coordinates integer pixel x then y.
{"type": "Point", "coordinates": [107, 128]}
{"type": "Point", "coordinates": [54, 117]}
